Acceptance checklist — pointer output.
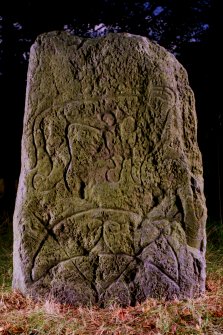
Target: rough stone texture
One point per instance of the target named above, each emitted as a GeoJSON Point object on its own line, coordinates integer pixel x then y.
{"type": "Point", "coordinates": [110, 204]}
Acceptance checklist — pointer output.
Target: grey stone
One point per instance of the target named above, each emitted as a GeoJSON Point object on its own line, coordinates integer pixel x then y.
{"type": "Point", "coordinates": [110, 204]}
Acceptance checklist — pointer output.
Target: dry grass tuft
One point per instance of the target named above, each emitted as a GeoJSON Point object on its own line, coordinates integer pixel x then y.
{"type": "Point", "coordinates": [21, 315]}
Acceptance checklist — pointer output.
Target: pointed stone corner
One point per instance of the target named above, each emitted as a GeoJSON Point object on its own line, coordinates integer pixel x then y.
{"type": "Point", "coordinates": [110, 204]}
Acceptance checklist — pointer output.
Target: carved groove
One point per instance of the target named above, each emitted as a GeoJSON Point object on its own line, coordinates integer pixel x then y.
{"type": "Point", "coordinates": [111, 176]}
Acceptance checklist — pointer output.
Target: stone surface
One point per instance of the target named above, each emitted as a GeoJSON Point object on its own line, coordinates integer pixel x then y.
{"type": "Point", "coordinates": [110, 204]}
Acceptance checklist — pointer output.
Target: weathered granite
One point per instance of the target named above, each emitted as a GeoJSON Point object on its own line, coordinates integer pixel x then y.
{"type": "Point", "coordinates": [110, 204]}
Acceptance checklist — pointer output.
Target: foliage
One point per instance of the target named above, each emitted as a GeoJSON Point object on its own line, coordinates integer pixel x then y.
{"type": "Point", "coordinates": [170, 23]}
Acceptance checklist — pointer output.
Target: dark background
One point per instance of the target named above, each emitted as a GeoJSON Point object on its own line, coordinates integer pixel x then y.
{"type": "Point", "coordinates": [191, 29]}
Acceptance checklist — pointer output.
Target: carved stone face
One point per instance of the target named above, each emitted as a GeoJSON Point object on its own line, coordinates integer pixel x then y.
{"type": "Point", "coordinates": [97, 144]}
{"type": "Point", "coordinates": [108, 210]}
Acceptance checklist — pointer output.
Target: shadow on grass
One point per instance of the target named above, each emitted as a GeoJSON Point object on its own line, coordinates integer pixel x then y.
{"type": "Point", "coordinates": [214, 255]}
{"type": "Point", "coordinates": [6, 242]}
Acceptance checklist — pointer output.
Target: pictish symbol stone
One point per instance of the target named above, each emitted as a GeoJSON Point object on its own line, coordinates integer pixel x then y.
{"type": "Point", "coordinates": [110, 204]}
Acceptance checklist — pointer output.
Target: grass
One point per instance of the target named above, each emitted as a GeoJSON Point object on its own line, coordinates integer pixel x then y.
{"type": "Point", "coordinates": [21, 315]}
{"type": "Point", "coordinates": [5, 252]}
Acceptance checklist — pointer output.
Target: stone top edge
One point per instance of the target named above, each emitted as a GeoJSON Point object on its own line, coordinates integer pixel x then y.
{"type": "Point", "coordinates": [63, 38]}
{"type": "Point", "coordinates": [62, 33]}
{"type": "Point", "coordinates": [68, 39]}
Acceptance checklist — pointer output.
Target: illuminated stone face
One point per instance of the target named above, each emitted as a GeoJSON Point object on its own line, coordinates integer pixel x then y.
{"type": "Point", "coordinates": [107, 209]}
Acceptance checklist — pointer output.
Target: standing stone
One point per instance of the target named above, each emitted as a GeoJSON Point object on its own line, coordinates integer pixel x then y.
{"type": "Point", "coordinates": [110, 204]}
